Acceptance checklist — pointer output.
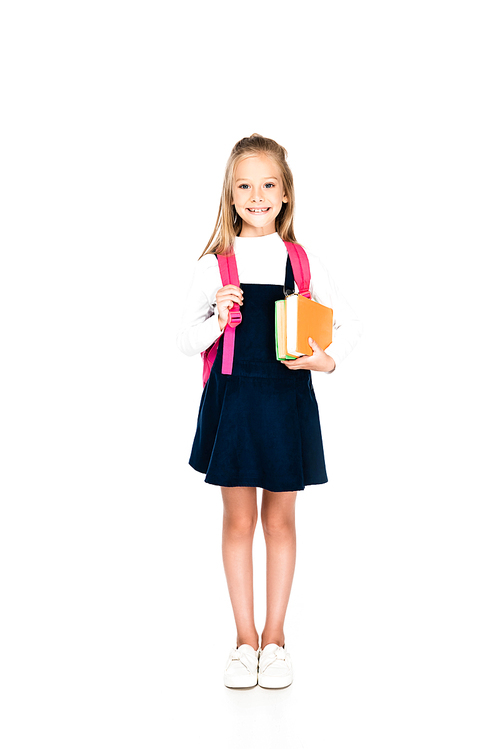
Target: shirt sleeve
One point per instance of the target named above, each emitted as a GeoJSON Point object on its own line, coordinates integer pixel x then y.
{"type": "Point", "coordinates": [199, 325]}
{"type": "Point", "coordinates": [347, 327]}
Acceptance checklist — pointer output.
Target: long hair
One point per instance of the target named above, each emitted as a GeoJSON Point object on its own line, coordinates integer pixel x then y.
{"type": "Point", "coordinates": [228, 224]}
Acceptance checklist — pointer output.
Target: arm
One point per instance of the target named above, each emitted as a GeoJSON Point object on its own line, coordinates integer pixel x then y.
{"type": "Point", "coordinates": [206, 308]}
{"type": "Point", "coordinates": [199, 327]}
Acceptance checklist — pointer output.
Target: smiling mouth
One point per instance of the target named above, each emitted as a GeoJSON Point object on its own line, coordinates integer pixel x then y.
{"type": "Point", "coordinates": [258, 210]}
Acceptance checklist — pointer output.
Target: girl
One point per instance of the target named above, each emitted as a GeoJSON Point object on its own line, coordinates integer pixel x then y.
{"type": "Point", "coordinates": [259, 426]}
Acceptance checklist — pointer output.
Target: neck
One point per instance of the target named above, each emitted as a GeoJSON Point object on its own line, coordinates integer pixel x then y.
{"type": "Point", "coordinates": [253, 231]}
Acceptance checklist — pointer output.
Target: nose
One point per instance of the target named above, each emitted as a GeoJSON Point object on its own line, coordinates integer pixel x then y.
{"type": "Point", "coordinates": [257, 197]}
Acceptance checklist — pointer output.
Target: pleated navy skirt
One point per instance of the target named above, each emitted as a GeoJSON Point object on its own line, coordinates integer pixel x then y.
{"type": "Point", "coordinates": [260, 425]}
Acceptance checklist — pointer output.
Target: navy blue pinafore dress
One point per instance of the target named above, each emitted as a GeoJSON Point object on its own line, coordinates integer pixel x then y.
{"type": "Point", "coordinates": [260, 425]}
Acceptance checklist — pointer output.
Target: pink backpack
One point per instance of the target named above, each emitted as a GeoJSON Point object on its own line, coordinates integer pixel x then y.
{"type": "Point", "coordinates": [229, 275]}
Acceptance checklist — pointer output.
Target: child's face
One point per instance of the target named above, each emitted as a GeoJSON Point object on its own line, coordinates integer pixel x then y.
{"type": "Point", "coordinates": [258, 195]}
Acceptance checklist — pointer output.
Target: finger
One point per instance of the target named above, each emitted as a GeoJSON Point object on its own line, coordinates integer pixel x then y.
{"type": "Point", "coordinates": [314, 345]}
{"type": "Point", "coordinates": [229, 293]}
{"type": "Point", "coordinates": [225, 298]}
{"type": "Point", "coordinates": [299, 363]}
{"type": "Point", "coordinates": [230, 288]}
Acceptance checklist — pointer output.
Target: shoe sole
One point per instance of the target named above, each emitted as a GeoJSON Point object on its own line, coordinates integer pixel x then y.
{"type": "Point", "coordinates": [238, 682]}
{"type": "Point", "coordinates": [275, 682]}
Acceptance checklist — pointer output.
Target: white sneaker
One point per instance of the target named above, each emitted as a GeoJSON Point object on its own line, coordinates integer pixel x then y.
{"type": "Point", "coordinates": [275, 667]}
{"type": "Point", "coordinates": [241, 667]}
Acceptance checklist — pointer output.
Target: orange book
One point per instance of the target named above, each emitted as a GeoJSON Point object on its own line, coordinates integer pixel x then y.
{"type": "Point", "coordinates": [305, 318]}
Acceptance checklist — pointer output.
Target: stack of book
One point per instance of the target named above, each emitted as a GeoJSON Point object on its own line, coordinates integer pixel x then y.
{"type": "Point", "coordinates": [298, 318]}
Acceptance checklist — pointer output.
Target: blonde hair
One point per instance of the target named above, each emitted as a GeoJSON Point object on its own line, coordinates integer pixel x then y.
{"type": "Point", "coordinates": [228, 224]}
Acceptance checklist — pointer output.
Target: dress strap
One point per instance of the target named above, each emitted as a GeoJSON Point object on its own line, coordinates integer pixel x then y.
{"type": "Point", "coordinates": [289, 286]}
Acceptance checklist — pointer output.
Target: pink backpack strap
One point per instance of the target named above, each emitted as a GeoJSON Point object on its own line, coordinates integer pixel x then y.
{"type": "Point", "coordinates": [300, 267]}
{"type": "Point", "coordinates": [229, 275]}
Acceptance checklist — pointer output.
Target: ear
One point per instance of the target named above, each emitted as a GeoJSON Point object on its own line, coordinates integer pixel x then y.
{"type": "Point", "coordinates": [285, 199]}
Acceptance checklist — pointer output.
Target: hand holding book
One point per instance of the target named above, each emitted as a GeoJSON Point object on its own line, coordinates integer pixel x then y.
{"type": "Point", "coordinates": [297, 319]}
{"type": "Point", "coordinates": [320, 361]}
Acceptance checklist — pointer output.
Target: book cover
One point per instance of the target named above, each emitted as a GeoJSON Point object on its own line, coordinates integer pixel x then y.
{"type": "Point", "coordinates": [304, 318]}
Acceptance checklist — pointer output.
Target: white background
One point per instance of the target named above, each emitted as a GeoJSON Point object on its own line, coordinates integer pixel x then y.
{"type": "Point", "coordinates": [117, 122]}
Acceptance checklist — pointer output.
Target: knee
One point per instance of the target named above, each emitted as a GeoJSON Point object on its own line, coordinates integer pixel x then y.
{"type": "Point", "coordinates": [240, 525]}
{"type": "Point", "coordinates": [278, 526]}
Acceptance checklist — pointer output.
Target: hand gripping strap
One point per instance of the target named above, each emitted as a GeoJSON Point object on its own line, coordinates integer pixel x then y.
{"type": "Point", "coordinates": [229, 275]}
{"type": "Point", "coordinates": [300, 267]}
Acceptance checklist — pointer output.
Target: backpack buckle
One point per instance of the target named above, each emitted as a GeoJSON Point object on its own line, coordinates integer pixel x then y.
{"type": "Point", "coordinates": [234, 317]}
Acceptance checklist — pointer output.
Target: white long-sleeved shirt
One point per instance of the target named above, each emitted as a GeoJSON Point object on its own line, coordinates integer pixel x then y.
{"type": "Point", "coordinates": [261, 260]}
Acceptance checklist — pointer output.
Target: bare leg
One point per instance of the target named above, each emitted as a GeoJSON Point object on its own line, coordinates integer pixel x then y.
{"type": "Point", "coordinates": [278, 522]}
{"type": "Point", "coordinates": [239, 521]}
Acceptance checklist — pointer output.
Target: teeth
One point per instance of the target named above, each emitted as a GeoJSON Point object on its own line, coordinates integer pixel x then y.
{"type": "Point", "coordinates": [258, 210]}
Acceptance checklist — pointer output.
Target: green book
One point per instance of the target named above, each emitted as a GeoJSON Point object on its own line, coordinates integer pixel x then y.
{"type": "Point", "coordinates": [280, 330]}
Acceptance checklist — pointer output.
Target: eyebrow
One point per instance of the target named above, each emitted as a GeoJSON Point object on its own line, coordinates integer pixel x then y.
{"type": "Point", "coordinates": [245, 179]}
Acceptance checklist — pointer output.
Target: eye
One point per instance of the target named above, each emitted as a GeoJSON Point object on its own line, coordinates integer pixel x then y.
{"type": "Point", "coordinates": [243, 186]}
{"type": "Point", "coordinates": [269, 184]}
